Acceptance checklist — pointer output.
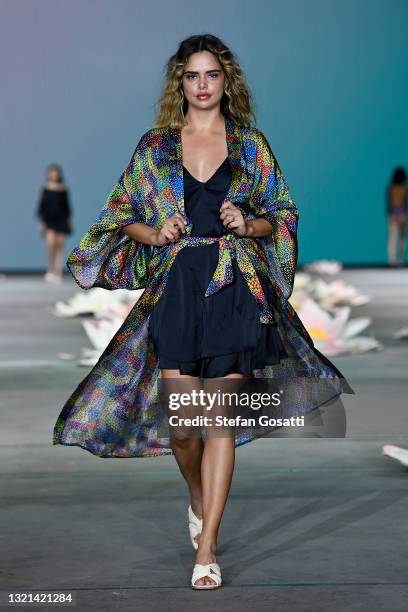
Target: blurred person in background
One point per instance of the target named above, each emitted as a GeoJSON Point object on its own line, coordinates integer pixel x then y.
{"type": "Point", "coordinates": [54, 214]}
{"type": "Point", "coordinates": [397, 197]}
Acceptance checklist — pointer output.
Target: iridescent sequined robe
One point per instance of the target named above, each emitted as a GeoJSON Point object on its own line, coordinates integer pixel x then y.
{"type": "Point", "coordinates": [114, 410]}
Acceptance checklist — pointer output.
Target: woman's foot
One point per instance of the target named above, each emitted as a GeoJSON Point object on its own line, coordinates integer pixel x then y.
{"type": "Point", "coordinates": [56, 278]}
{"type": "Point", "coordinates": [51, 277]}
{"type": "Point", "coordinates": [206, 554]}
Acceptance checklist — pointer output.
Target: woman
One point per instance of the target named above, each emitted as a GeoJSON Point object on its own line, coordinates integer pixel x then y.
{"type": "Point", "coordinates": [397, 208]}
{"type": "Point", "coordinates": [202, 219]}
{"type": "Point", "coordinates": [54, 214]}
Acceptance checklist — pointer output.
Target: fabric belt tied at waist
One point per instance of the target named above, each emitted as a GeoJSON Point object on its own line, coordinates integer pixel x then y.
{"type": "Point", "coordinates": [229, 247]}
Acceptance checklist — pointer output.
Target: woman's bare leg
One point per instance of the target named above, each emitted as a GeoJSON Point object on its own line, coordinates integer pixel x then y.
{"type": "Point", "coordinates": [50, 246]}
{"type": "Point", "coordinates": [392, 241]}
{"type": "Point", "coordinates": [217, 468]}
{"type": "Point", "coordinates": [58, 263]}
{"type": "Point", "coordinates": [188, 451]}
{"type": "Point", "coordinates": [401, 242]}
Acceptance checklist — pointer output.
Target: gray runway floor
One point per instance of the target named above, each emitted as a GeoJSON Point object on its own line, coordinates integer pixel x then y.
{"type": "Point", "coordinates": [309, 525]}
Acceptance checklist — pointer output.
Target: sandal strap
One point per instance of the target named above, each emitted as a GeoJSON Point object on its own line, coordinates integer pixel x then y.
{"type": "Point", "coordinates": [193, 519]}
{"type": "Point", "coordinates": [195, 524]}
{"type": "Point", "coordinates": [194, 530]}
{"type": "Point", "coordinates": [211, 570]}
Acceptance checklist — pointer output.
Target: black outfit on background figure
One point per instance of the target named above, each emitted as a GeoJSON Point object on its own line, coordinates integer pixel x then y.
{"type": "Point", "coordinates": [210, 336]}
{"type": "Point", "coordinates": [54, 209]}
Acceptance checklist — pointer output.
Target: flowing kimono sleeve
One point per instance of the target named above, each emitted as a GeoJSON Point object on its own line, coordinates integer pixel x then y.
{"type": "Point", "coordinates": [106, 257]}
{"type": "Point", "coordinates": [272, 201]}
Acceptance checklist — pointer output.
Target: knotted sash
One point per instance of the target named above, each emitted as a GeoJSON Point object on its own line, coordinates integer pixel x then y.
{"type": "Point", "coordinates": [230, 246]}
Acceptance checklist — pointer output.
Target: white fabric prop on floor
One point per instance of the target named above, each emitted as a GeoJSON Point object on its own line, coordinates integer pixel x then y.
{"type": "Point", "coordinates": [328, 295]}
{"type": "Point", "coordinates": [115, 311]}
{"type": "Point", "coordinates": [396, 452]}
{"type": "Point", "coordinates": [91, 360]}
{"type": "Point", "coordinates": [105, 324]}
{"type": "Point", "coordinates": [102, 328]}
{"type": "Point", "coordinates": [336, 335]}
{"type": "Point", "coordinates": [94, 300]}
{"type": "Point", "coordinates": [89, 356]}
{"type": "Point", "coordinates": [336, 293]}
{"type": "Point", "coordinates": [109, 309]}
{"type": "Point", "coordinates": [302, 281]}
{"type": "Point", "coordinates": [101, 332]}
{"type": "Point", "coordinates": [401, 333]}
{"type": "Point", "coordinates": [324, 266]}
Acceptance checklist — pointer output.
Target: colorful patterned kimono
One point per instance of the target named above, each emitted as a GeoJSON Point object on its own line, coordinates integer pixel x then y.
{"type": "Point", "coordinates": [114, 411]}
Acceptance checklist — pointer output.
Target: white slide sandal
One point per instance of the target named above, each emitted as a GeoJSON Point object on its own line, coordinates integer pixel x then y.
{"type": "Point", "coordinates": [195, 526]}
{"type": "Point", "coordinates": [212, 570]}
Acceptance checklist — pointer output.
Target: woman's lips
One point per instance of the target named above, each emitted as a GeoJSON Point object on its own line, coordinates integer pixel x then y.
{"type": "Point", "coordinates": [203, 96]}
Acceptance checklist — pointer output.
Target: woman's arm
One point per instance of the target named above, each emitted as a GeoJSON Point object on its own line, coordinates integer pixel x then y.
{"type": "Point", "coordinates": [40, 204]}
{"type": "Point", "coordinates": [140, 232]}
{"type": "Point", "coordinates": [65, 203]}
{"type": "Point", "coordinates": [257, 228]}
{"type": "Point", "coordinates": [170, 231]}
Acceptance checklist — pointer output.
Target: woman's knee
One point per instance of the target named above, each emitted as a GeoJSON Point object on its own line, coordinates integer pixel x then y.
{"type": "Point", "coordinates": [183, 438]}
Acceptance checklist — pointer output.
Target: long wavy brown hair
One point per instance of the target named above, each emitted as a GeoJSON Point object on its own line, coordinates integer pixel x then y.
{"type": "Point", "coordinates": [236, 102]}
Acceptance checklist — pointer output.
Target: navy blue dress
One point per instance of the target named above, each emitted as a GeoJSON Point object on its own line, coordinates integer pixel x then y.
{"type": "Point", "coordinates": [215, 335]}
{"type": "Point", "coordinates": [54, 209]}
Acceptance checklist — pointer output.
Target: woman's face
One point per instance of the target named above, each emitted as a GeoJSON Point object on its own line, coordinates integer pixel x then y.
{"type": "Point", "coordinates": [203, 80]}
{"type": "Point", "coordinates": [53, 175]}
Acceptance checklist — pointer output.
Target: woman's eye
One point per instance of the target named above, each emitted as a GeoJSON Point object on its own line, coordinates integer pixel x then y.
{"type": "Point", "coordinates": [193, 76]}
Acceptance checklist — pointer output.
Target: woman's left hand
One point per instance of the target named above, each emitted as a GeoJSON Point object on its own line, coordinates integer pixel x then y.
{"type": "Point", "coordinates": [232, 218]}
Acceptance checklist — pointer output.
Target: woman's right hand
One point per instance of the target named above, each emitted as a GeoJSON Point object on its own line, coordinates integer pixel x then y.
{"type": "Point", "coordinates": [170, 230]}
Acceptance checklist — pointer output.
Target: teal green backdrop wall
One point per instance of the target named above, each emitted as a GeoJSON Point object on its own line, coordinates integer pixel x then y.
{"type": "Point", "coordinates": [80, 81]}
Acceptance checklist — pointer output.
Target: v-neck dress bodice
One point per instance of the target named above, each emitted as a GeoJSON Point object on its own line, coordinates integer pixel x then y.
{"type": "Point", "coordinates": [209, 336]}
